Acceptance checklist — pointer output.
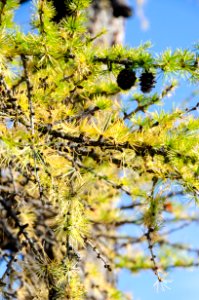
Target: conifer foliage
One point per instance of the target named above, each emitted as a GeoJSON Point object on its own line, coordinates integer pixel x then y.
{"type": "Point", "coordinates": [77, 164]}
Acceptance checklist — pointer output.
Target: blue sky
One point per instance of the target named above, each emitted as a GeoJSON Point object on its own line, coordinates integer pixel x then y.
{"type": "Point", "coordinates": [173, 24]}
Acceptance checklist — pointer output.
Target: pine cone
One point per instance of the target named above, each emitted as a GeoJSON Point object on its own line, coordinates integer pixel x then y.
{"type": "Point", "coordinates": [126, 79]}
{"type": "Point", "coordinates": [122, 11]}
{"type": "Point", "coordinates": [147, 82]}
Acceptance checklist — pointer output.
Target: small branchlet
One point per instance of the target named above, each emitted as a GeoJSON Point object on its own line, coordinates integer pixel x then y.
{"type": "Point", "coordinates": [99, 254]}
{"type": "Point", "coordinates": [149, 237]}
{"type": "Point", "coordinates": [32, 125]}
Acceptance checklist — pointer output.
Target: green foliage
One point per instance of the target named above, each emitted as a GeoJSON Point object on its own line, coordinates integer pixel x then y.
{"type": "Point", "coordinates": [74, 155]}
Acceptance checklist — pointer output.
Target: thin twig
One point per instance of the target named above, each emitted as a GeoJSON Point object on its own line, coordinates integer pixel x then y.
{"type": "Point", "coordinates": [31, 116]}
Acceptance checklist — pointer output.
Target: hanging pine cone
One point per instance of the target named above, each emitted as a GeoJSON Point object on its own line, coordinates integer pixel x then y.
{"type": "Point", "coordinates": [147, 81]}
{"type": "Point", "coordinates": [121, 10]}
{"type": "Point", "coordinates": [126, 79]}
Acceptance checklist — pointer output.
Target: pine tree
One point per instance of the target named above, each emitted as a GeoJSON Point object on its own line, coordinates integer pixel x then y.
{"type": "Point", "coordinates": [78, 164]}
